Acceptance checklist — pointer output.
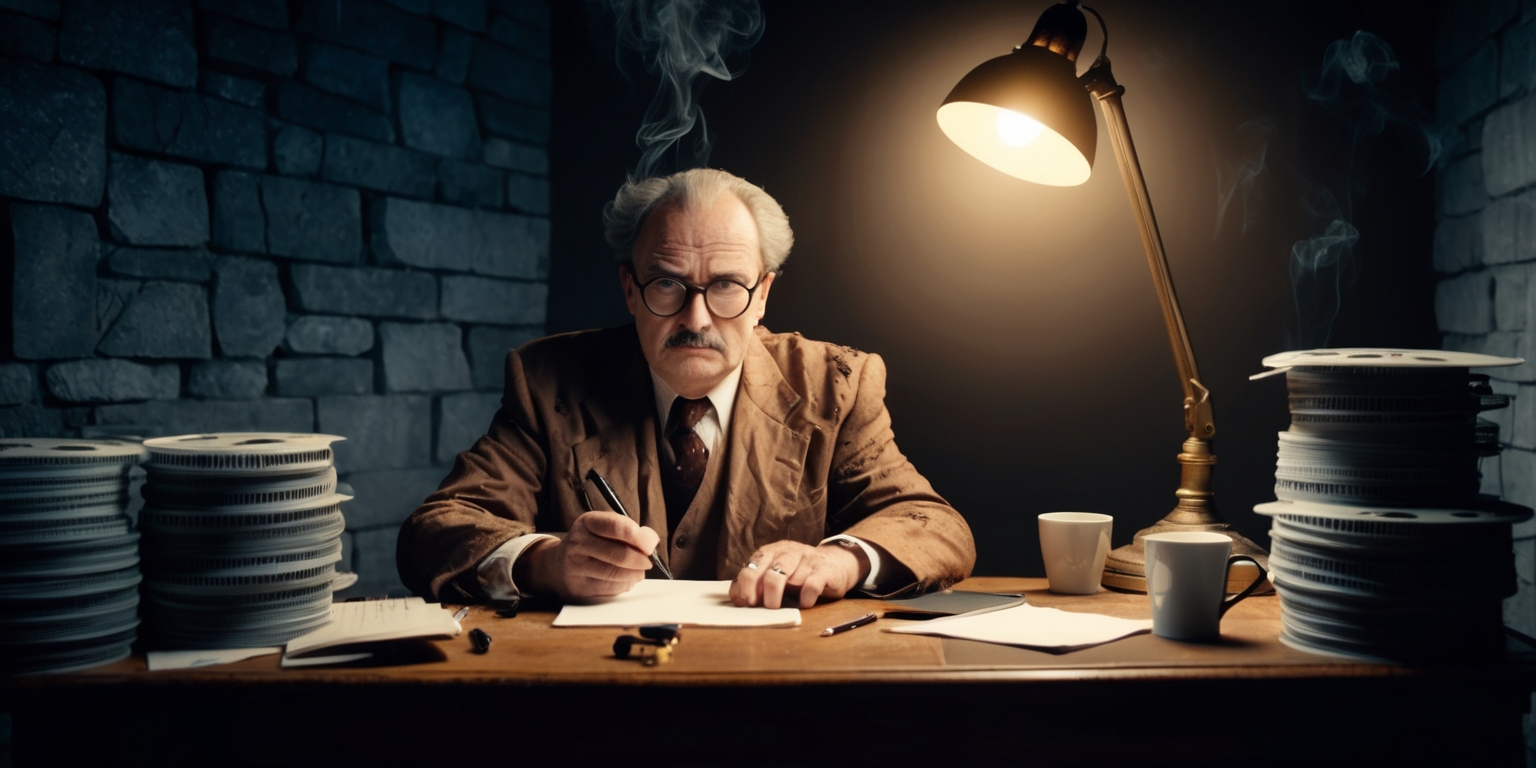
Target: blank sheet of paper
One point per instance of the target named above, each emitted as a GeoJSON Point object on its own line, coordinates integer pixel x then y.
{"type": "Point", "coordinates": [661, 601]}
{"type": "Point", "coordinates": [1031, 626]}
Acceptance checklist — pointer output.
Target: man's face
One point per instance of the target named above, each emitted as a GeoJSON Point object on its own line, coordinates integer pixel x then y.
{"type": "Point", "coordinates": [693, 350]}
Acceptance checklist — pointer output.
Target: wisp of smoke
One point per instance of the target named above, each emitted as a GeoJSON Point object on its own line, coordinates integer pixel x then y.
{"type": "Point", "coordinates": [1356, 85]}
{"type": "Point", "coordinates": [678, 40]}
{"type": "Point", "coordinates": [1238, 182]}
{"type": "Point", "coordinates": [1320, 268]}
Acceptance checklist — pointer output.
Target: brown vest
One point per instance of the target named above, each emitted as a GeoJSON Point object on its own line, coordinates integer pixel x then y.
{"type": "Point", "coordinates": [692, 551]}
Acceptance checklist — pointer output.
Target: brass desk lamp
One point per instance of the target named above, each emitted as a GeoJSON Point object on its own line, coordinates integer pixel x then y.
{"type": "Point", "coordinates": [1029, 115]}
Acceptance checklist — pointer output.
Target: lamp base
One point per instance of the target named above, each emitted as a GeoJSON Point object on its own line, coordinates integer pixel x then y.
{"type": "Point", "coordinates": [1125, 569]}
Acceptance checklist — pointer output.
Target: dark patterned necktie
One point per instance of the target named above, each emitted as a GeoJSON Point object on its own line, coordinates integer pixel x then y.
{"type": "Point", "coordinates": [690, 456]}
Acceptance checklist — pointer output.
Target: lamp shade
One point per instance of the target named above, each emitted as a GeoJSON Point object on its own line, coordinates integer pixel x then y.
{"type": "Point", "coordinates": [1025, 114]}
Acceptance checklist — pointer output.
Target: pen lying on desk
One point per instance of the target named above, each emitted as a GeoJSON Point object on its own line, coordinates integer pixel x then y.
{"type": "Point", "coordinates": [613, 501]}
{"type": "Point", "coordinates": [868, 618]}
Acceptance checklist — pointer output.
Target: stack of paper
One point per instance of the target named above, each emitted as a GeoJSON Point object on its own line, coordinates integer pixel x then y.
{"type": "Point", "coordinates": [355, 625]}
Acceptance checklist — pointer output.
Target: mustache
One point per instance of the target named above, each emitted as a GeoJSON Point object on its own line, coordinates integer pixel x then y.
{"type": "Point", "coordinates": [687, 338]}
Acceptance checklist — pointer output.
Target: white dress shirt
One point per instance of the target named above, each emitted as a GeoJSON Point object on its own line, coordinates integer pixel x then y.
{"type": "Point", "coordinates": [495, 571]}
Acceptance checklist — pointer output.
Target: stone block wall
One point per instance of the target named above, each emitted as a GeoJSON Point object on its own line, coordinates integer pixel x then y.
{"type": "Point", "coordinates": [306, 215]}
{"type": "Point", "coordinates": [1485, 240]}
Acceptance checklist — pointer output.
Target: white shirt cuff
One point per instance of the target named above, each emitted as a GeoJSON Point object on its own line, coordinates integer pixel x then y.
{"type": "Point", "coordinates": [495, 571]}
{"type": "Point", "coordinates": [869, 551]}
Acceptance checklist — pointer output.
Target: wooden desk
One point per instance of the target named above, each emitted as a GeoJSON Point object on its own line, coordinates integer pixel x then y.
{"type": "Point", "coordinates": [789, 697]}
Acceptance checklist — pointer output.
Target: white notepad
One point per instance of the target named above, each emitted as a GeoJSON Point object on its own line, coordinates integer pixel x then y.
{"type": "Point", "coordinates": [662, 601]}
{"type": "Point", "coordinates": [1033, 627]}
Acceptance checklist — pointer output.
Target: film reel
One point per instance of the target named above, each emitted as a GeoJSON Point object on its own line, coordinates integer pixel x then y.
{"type": "Point", "coordinates": [241, 537]}
{"type": "Point", "coordinates": [1382, 546]}
{"type": "Point", "coordinates": [70, 558]}
{"type": "Point", "coordinates": [241, 453]}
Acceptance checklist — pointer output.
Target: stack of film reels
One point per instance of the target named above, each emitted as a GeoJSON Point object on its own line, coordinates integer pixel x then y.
{"type": "Point", "coordinates": [242, 533]}
{"type": "Point", "coordinates": [1382, 546]}
{"type": "Point", "coordinates": [69, 561]}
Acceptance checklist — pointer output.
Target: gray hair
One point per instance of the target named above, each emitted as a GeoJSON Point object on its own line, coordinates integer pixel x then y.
{"type": "Point", "coordinates": [623, 218]}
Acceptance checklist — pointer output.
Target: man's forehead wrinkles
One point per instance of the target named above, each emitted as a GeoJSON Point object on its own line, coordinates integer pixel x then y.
{"type": "Point", "coordinates": [700, 245]}
{"type": "Point", "coordinates": [683, 260]}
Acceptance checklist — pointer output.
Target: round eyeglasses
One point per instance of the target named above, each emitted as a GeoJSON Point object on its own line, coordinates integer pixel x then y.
{"type": "Point", "coordinates": [666, 296]}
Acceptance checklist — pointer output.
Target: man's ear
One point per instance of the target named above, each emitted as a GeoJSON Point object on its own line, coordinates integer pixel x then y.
{"type": "Point", "coordinates": [762, 297]}
{"type": "Point", "coordinates": [630, 287]}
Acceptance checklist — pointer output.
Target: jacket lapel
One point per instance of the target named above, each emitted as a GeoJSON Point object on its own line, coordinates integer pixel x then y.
{"type": "Point", "coordinates": [766, 459]}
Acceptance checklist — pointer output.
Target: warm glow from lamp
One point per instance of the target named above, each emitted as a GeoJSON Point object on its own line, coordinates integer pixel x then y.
{"type": "Point", "coordinates": [1015, 129]}
{"type": "Point", "coordinates": [1014, 144]}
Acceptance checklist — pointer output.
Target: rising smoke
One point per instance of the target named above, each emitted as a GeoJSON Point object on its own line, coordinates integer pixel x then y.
{"type": "Point", "coordinates": [1239, 190]}
{"type": "Point", "coordinates": [677, 41]}
{"type": "Point", "coordinates": [1356, 85]}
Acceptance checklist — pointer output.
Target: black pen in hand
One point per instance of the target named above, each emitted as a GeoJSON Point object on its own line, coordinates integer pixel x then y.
{"type": "Point", "coordinates": [613, 501]}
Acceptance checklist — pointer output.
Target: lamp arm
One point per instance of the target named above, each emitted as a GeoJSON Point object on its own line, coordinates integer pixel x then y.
{"type": "Point", "coordinates": [1199, 420]}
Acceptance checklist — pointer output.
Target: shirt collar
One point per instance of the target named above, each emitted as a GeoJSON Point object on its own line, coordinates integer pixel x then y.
{"type": "Point", "coordinates": [722, 397]}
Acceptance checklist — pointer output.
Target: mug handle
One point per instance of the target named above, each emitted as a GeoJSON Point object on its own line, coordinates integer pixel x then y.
{"type": "Point", "coordinates": [1248, 590]}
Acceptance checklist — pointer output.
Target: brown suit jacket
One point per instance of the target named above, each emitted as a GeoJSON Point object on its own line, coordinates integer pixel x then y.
{"type": "Point", "coordinates": [810, 453]}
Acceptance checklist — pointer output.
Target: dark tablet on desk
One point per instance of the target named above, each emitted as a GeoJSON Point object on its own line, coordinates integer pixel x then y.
{"type": "Point", "coordinates": [947, 602]}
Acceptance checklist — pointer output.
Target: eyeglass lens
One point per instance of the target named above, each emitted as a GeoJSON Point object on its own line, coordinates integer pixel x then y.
{"type": "Point", "coordinates": [725, 299]}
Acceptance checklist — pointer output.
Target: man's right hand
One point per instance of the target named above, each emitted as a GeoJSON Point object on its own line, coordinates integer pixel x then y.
{"type": "Point", "coordinates": [604, 554]}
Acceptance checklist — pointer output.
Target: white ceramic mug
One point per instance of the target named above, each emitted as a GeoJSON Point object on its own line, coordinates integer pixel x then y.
{"type": "Point", "coordinates": [1186, 579]}
{"type": "Point", "coordinates": [1074, 545]}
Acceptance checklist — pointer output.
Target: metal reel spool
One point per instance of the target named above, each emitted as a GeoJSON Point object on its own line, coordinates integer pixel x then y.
{"type": "Point", "coordinates": [197, 584]}
{"type": "Point", "coordinates": [235, 619]}
{"type": "Point", "coordinates": [22, 613]}
{"type": "Point", "coordinates": [180, 532]}
{"type": "Point", "coordinates": [69, 656]}
{"type": "Point", "coordinates": [70, 558]}
{"type": "Point", "coordinates": [24, 502]}
{"type": "Point", "coordinates": [1387, 538]}
{"type": "Point", "coordinates": [240, 453]}
{"type": "Point", "coordinates": [1430, 577]}
{"type": "Point", "coordinates": [243, 565]}
{"type": "Point", "coordinates": [1299, 449]}
{"type": "Point", "coordinates": [237, 496]}
{"type": "Point", "coordinates": [1475, 640]}
{"type": "Point", "coordinates": [69, 586]}
{"type": "Point", "coordinates": [1284, 571]}
{"type": "Point", "coordinates": [306, 533]}
{"type": "Point", "coordinates": [252, 600]}
{"type": "Point", "coordinates": [65, 491]}
{"type": "Point", "coordinates": [111, 522]}
{"type": "Point", "coordinates": [1287, 489]}
{"type": "Point", "coordinates": [181, 636]}
{"type": "Point", "coordinates": [1382, 626]}
{"type": "Point", "coordinates": [20, 454]}
{"type": "Point", "coordinates": [70, 629]}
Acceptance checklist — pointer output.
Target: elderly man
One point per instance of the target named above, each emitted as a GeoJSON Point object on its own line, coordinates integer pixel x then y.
{"type": "Point", "coordinates": [747, 455]}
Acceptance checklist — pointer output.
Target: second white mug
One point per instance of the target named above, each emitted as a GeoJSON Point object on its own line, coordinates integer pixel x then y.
{"type": "Point", "coordinates": [1186, 578]}
{"type": "Point", "coordinates": [1074, 545]}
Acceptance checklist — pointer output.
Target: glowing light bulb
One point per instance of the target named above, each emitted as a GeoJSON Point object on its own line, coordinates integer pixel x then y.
{"type": "Point", "coordinates": [1015, 129]}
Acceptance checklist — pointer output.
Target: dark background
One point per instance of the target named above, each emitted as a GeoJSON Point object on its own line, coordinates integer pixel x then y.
{"type": "Point", "coordinates": [1029, 367]}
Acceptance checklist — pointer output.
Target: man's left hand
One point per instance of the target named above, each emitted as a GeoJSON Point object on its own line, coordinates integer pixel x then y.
{"type": "Point", "coordinates": [787, 568]}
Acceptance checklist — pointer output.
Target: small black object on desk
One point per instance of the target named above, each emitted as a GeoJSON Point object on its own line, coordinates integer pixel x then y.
{"type": "Point", "coordinates": [507, 609]}
{"type": "Point", "coordinates": [480, 640]}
